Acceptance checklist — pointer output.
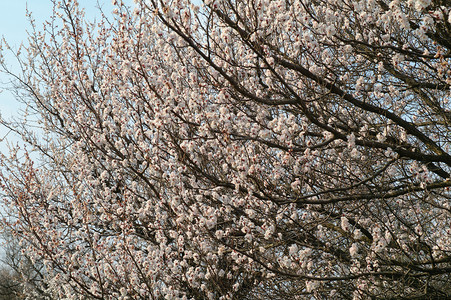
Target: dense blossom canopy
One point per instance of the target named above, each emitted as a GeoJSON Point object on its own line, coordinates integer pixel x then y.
{"type": "Point", "coordinates": [237, 149]}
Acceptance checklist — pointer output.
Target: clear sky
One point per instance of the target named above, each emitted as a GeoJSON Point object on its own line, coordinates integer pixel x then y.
{"type": "Point", "coordinates": [13, 28]}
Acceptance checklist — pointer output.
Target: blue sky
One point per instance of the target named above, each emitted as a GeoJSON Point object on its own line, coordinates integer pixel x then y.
{"type": "Point", "coordinates": [13, 27]}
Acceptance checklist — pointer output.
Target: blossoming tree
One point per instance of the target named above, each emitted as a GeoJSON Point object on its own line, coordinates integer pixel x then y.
{"type": "Point", "coordinates": [238, 149]}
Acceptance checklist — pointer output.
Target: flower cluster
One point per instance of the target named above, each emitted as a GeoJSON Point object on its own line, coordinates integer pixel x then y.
{"type": "Point", "coordinates": [239, 149]}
